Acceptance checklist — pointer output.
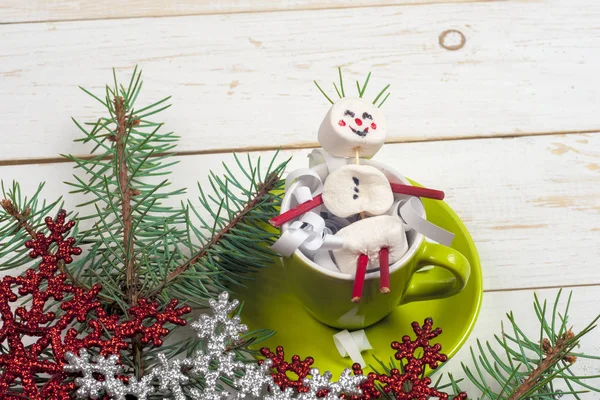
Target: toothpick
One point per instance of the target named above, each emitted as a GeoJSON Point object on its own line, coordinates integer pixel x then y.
{"type": "Point", "coordinates": [357, 162]}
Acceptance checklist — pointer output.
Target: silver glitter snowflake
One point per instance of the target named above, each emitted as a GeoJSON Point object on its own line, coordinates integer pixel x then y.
{"type": "Point", "coordinates": [250, 380]}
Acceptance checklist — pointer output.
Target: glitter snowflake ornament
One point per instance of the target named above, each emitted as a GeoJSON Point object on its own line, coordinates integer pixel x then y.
{"type": "Point", "coordinates": [36, 336]}
{"type": "Point", "coordinates": [214, 362]}
{"type": "Point", "coordinates": [269, 379]}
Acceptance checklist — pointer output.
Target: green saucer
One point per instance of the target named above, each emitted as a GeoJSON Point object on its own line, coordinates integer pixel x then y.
{"type": "Point", "coordinates": [268, 303]}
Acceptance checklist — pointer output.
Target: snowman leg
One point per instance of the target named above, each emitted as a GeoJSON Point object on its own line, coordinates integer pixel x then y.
{"type": "Point", "coordinates": [359, 278]}
{"type": "Point", "coordinates": [384, 270]}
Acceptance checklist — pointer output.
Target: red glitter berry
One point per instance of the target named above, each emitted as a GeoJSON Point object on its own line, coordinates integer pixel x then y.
{"type": "Point", "coordinates": [35, 371]}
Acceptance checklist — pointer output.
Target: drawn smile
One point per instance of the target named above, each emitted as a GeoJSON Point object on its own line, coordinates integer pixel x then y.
{"type": "Point", "coordinates": [362, 133]}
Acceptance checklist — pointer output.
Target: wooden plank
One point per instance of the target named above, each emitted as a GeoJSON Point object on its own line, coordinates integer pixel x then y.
{"type": "Point", "coordinates": [585, 306]}
{"type": "Point", "coordinates": [530, 203]}
{"type": "Point", "coordinates": [244, 80]}
{"type": "Point", "coordinates": [14, 11]}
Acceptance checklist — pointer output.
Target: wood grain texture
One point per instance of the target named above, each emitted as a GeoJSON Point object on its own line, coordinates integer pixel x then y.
{"type": "Point", "coordinates": [15, 11]}
{"type": "Point", "coordinates": [585, 306]}
{"type": "Point", "coordinates": [244, 80]}
{"type": "Point", "coordinates": [531, 208]}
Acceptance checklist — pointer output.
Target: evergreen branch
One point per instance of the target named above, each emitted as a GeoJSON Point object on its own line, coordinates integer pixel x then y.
{"type": "Point", "coordinates": [218, 236]}
{"type": "Point", "coordinates": [553, 355]}
{"type": "Point", "coordinates": [136, 245]}
{"type": "Point", "coordinates": [120, 139]}
{"type": "Point", "coordinates": [531, 367]}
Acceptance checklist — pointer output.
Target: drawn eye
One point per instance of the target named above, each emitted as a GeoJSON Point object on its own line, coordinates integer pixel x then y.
{"type": "Point", "coordinates": [366, 115]}
{"type": "Point", "coordinates": [350, 113]}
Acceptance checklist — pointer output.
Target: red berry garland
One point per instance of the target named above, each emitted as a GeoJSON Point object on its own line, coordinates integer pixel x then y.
{"type": "Point", "coordinates": [24, 365]}
{"type": "Point", "coordinates": [410, 384]}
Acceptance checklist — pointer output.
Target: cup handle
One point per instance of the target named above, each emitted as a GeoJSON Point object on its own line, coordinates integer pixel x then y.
{"type": "Point", "coordinates": [435, 283]}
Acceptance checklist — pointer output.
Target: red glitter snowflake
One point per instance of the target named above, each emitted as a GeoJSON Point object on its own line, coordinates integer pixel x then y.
{"type": "Point", "coordinates": [35, 371]}
{"type": "Point", "coordinates": [300, 368]}
{"type": "Point", "coordinates": [410, 384]}
{"type": "Point", "coordinates": [368, 388]}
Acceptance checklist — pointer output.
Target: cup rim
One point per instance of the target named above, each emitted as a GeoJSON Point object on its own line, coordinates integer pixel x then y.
{"type": "Point", "coordinates": [285, 204]}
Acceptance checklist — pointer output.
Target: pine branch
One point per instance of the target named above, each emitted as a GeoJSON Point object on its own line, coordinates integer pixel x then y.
{"type": "Point", "coordinates": [138, 246]}
{"type": "Point", "coordinates": [553, 356]}
{"type": "Point", "coordinates": [263, 189]}
{"type": "Point", "coordinates": [120, 139]}
{"type": "Point", "coordinates": [228, 234]}
{"type": "Point", "coordinates": [123, 175]}
{"type": "Point", "coordinates": [531, 367]}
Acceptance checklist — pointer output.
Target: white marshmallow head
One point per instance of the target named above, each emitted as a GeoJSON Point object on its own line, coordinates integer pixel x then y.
{"type": "Point", "coordinates": [350, 123]}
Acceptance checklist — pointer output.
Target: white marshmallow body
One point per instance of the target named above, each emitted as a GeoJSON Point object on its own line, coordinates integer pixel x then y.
{"type": "Point", "coordinates": [353, 123]}
{"type": "Point", "coordinates": [352, 189]}
{"type": "Point", "coordinates": [368, 236]}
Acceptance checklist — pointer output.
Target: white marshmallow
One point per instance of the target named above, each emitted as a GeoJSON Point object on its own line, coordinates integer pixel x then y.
{"type": "Point", "coordinates": [368, 236]}
{"type": "Point", "coordinates": [352, 189]}
{"type": "Point", "coordinates": [350, 123]}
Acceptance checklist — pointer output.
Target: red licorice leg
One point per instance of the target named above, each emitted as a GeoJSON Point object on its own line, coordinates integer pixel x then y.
{"type": "Point", "coordinates": [359, 278]}
{"type": "Point", "coordinates": [384, 270]}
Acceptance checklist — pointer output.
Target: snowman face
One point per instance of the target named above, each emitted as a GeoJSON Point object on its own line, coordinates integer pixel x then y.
{"type": "Point", "coordinates": [351, 123]}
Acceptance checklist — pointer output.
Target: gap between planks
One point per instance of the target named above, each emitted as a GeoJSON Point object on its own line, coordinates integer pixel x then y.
{"type": "Point", "coordinates": [299, 146]}
{"type": "Point", "coordinates": [316, 7]}
{"type": "Point", "coordinates": [520, 289]}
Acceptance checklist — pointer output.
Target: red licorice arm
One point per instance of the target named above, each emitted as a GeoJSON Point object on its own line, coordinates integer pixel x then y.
{"type": "Point", "coordinates": [296, 212]}
{"type": "Point", "coordinates": [417, 191]}
{"type": "Point", "coordinates": [318, 200]}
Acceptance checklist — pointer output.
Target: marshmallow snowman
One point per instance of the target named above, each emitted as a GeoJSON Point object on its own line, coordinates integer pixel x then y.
{"type": "Point", "coordinates": [353, 123]}
{"type": "Point", "coordinates": [354, 128]}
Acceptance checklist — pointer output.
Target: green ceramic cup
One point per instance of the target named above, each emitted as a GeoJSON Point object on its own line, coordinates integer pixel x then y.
{"type": "Point", "coordinates": [326, 294]}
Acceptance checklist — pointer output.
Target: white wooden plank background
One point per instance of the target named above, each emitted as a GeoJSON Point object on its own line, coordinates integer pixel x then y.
{"type": "Point", "coordinates": [527, 68]}
{"type": "Point", "coordinates": [507, 125]}
{"type": "Point", "coordinates": [521, 198]}
{"type": "Point", "coordinates": [14, 11]}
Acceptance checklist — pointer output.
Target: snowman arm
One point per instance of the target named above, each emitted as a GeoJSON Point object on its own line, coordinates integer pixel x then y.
{"type": "Point", "coordinates": [417, 191]}
{"type": "Point", "coordinates": [296, 211]}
